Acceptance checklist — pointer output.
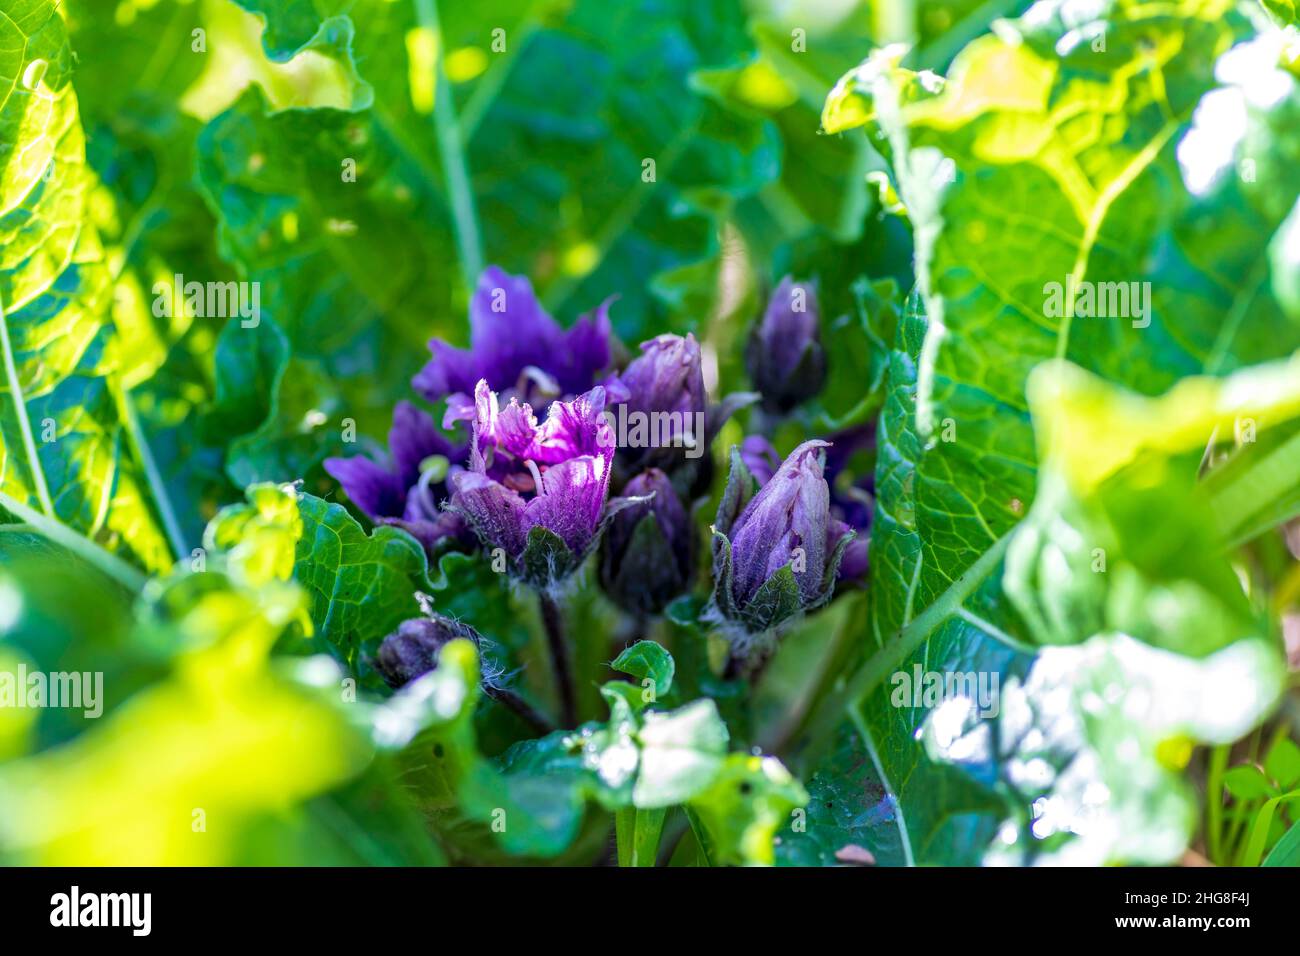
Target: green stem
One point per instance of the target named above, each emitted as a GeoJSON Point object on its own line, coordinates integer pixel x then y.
{"type": "Point", "coordinates": [1214, 802]}
{"type": "Point", "coordinates": [887, 660]}
{"type": "Point", "coordinates": [153, 476]}
{"type": "Point", "coordinates": [452, 151]}
{"type": "Point", "coordinates": [637, 832]}
{"type": "Point", "coordinates": [84, 548]}
{"type": "Point", "coordinates": [24, 424]}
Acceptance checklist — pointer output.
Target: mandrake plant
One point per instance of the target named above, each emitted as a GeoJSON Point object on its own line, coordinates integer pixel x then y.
{"type": "Point", "coordinates": [665, 433]}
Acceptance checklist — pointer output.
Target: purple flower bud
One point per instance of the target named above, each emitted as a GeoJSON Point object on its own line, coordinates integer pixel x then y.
{"type": "Point", "coordinates": [516, 345]}
{"type": "Point", "coordinates": [648, 555]}
{"type": "Point", "coordinates": [784, 355]}
{"type": "Point", "coordinates": [778, 555]}
{"type": "Point", "coordinates": [662, 414]}
{"type": "Point", "coordinates": [412, 650]}
{"type": "Point", "coordinates": [666, 377]}
{"type": "Point", "coordinates": [852, 498]}
{"type": "Point", "coordinates": [409, 491]}
{"type": "Point", "coordinates": [537, 492]}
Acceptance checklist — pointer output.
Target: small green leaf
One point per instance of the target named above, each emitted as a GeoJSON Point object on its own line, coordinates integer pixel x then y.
{"type": "Point", "coordinates": [1282, 764]}
{"type": "Point", "coordinates": [776, 601]}
{"type": "Point", "coordinates": [647, 660]}
{"type": "Point", "coordinates": [546, 557]}
{"type": "Point", "coordinates": [1247, 783]}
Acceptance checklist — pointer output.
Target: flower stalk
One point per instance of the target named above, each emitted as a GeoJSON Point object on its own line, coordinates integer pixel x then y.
{"type": "Point", "coordinates": [561, 666]}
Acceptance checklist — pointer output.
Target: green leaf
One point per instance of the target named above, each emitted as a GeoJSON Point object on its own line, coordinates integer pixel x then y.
{"type": "Point", "coordinates": [1247, 782]}
{"type": "Point", "coordinates": [848, 811]}
{"type": "Point", "coordinates": [1287, 850]}
{"type": "Point", "coordinates": [360, 587]}
{"type": "Point", "coordinates": [958, 467]}
{"type": "Point", "coordinates": [1071, 205]}
{"type": "Point", "coordinates": [1282, 763]}
{"type": "Point", "coordinates": [272, 735]}
{"type": "Point", "coordinates": [1252, 852]}
{"type": "Point", "coordinates": [862, 339]}
{"type": "Point", "coordinates": [546, 557]}
{"type": "Point", "coordinates": [742, 809]}
{"type": "Point", "coordinates": [63, 427]}
{"type": "Point", "coordinates": [776, 601]}
{"type": "Point", "coordinates": [1284, 11]}
{"type": "Point", "coordinates": [681, 752]}
{"type": "Point", "coordinates": [563, 168]}
{"type": "Point", "coordinates": [920, 617]}
{"type": "Point", "coordinates": [638, 835]}
{"type": "Point", "coordinates": [646, 660]}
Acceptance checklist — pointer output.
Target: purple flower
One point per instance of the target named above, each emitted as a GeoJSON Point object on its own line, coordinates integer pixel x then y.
{"type": "Point", "coordinates": [408, 492]}
{"type": "Point", "coordinates": [784, 355]}
{"type": "Point", "coordinates": [516, 346]}
{"type": "Point", "coordinates": [776, 551]}
{"type": "Point", "coordinates": [661, 411]}
{"type": "Point", "coordinates": [538, 492]}
{"type": "Point", "coordinates": [648, 555]}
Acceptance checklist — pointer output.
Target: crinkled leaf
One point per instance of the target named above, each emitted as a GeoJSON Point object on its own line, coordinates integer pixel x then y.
{"type": "Point", "coordinates": [360, 586]}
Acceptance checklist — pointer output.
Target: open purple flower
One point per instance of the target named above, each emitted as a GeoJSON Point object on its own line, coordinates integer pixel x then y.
{"type": "Point", "coordinates": [408, 492]}
{"type": "Point", "coordinates": [516, 347]}
{"type": "Point", "coordinates": [538, 492]}
{"type": "Point", "coordinates": [784, 355]}
{"type": "Point", "coordinates": [776, 550]}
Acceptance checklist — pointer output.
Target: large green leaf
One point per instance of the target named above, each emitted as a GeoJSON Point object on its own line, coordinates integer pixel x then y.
{"type": "Point", "coordinates": [1080, 139]}
{"type": "Point", "coordinates": [66, 449]}
{"type": "Point", "coordinates": [135, 64]}
{"type": "Point", "coordinates": [236, 742]}
{"type": "Point", "coordinates": [553, 133]}
{"type": "Point", "coordinates": [1104, 202]}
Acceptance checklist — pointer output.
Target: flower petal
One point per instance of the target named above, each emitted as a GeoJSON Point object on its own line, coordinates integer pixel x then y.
{"type": "Point", "coordinates": [496, 513]}
{"type": "Point", "coordinates": [372, 487]}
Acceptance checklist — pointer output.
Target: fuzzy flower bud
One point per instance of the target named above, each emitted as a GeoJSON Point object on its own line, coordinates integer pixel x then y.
{"type": "Point", "coordinates": [776, 551]}
{"type": "Point", "coordinates": [412, 650]}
